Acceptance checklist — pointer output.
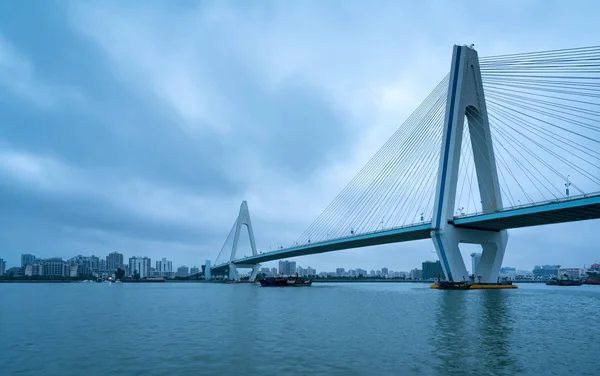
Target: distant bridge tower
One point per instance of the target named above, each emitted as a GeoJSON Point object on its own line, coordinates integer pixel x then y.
{"type": "Point", "coordinates": [243, 219]}
{"type": "Point", "coordinates": [466, 98]}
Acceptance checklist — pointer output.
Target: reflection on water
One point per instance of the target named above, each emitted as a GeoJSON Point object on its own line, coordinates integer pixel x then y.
{"type": "Point", "coordinates": [472, 333]}
{"type": "Point", "coordinates": [329, 329]}
{"type": "Point", "coordinates": [496, 324]}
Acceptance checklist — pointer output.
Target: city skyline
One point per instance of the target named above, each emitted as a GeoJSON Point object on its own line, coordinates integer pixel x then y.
{"type": "Point", "coordinates": [138, 143]}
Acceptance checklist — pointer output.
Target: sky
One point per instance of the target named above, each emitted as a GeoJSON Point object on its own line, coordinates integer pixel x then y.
{"type": "Point", "coordinates": [140, 126]}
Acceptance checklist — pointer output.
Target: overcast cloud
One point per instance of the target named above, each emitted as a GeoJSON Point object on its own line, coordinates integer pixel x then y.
{"type": "Point", "coordinates": [140, 126]}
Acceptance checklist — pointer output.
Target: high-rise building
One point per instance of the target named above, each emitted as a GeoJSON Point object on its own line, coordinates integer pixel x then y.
{"type": "Point", "coordinates": [2, 266]}
{"type": "Point", "coordinates": [140, 265]}
{"type": "Point", "coordinates": [54, 267]}
{"type": "Point", "coordinates": [431, 270]}
{"type": "Point", "coordinates": [164, 268]}
{"type": "Point", "coordinates": [340, 272]}
{"type": "Point", "coordinates": [310, 271]}
{"type": "Point", "coordinates": [182, 271]}
{"type": "Point", "coordinates": [287, 267]}
{"type": "Point", "coordinates": [301, 271]}
{"type": "Point", "coordinates": [384, 271]}
{"type": "Point", "coordinates": [27, 259]}
{"type": "Point", "coordinates": [475, 260]}
{"type": "Point", "coordinates": [114, 261]}
{"type": "Point", "coordinates": [274, 271]}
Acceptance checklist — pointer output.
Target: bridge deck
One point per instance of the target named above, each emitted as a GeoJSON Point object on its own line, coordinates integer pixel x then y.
{"type": "Point", "coordinates": [576, 209]}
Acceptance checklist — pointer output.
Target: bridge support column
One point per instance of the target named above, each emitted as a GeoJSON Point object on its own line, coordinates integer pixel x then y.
{"type": "Point", "coordinates": [235, 276]}
{"type": "Point", "coordinates": [466, 99]}
{"type": "Point", "coordinates": [493, 244]}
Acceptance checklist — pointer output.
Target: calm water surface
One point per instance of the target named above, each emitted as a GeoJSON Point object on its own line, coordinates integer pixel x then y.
{"type": "Point", "coordinates": [333, 329]}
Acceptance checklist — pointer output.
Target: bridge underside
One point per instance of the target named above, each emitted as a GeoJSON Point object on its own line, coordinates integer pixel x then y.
{"type": "Point", "coordinates": [542, 214]}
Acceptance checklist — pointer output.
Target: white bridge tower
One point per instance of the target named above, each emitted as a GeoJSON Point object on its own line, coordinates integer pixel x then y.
{"type": "Point", "coordinates": [243, 219]}
{"type": "Point", "coordinates": [466, 98]}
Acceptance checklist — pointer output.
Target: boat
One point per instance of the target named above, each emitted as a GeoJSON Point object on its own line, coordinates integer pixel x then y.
{"type": "Point", "coordinates": [472, 285]}
{"type": "Point", "coordinates": [564, 280]}
{"type": "Point", "coordinates": [285, 282]}
{"type": "Point", "coordinates": [593, 275]}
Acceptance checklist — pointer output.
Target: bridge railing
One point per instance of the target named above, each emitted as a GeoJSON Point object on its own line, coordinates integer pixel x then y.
{"type": "Point", "coordinates": [530, 205]}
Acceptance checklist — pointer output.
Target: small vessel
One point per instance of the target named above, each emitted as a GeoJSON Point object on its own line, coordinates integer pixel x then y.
{"type": "Point", "coordinates": [564, 280]}
{"type": "Point", "coordinates": [285, 282]}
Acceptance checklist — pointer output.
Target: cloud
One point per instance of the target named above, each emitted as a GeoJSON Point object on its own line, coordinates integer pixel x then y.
{"type": "Point", "coordinates": [191, 108]}
{"type": "Point", "coordinates": [18, 75]}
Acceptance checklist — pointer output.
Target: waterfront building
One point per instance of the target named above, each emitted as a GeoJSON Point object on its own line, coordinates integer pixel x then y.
{"type": "Point", "coordinates": [164, 268]}
{"type": "Point", "coordinates": [2, 266]}
{"type": "Point", "coordinates": [362, 272]}
{"type": "Point", "coordinates": [33, 270]}
{"type": "Point", "coordinates": [287, 267]}
{"type": "Point", "coordinates": [27, 259]}
{"type": "Point", "coordinates": [570, 272]}
{"type": "Point", "coordinates": [114, 261]}
{"type": "Point", "coordinates": [416, 274]}
{"type": "Point", "coordinates": [431, 270]}
{"type": "Point", "coordinates": [475, 260]}
{"type": "Point", "coordinates": [274, 271]}
{"type": "Point", "coordinates": [310, 271]}
{"type": "Point", "coordinates": [384, 271]}
{"type": "Point", "coordinates": [182, 271]}
{"type": "Point", "coordinates": [301, 271]}
{"type": "Point", "coordinates": [546, 271]}
{"type": "Point", "coordinates": [55, 267]}
{"type": "Point", "coordinates": [340, 272]}
{"type": "Point", "coordinates": [140, 265]}
{"type": "Point", "coordinates": [194, 270]}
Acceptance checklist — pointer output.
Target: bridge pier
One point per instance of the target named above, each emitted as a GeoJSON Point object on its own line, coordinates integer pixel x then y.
{"type": "Point", "coordinates": [493, 244]}
{"type": "Point", "coordinates": [235, 276]}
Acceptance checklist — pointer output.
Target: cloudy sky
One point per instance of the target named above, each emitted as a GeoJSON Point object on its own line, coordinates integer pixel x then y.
{"type": "Point", "coordinates": [140, 126]}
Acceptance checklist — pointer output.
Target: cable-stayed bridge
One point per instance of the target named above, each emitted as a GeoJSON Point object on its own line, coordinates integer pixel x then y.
{"type": "Point", "coordinates": [501, 142]}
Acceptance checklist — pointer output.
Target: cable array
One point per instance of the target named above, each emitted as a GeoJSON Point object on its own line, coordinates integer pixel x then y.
{"type": "Point", "coordinates": [544, 115]}
{"type": "Point", "coordinates": [224, 253]}
{"type": "Point", "coordinates": [395, 188]}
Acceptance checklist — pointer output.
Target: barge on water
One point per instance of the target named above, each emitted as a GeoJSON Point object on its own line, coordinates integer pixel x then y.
{"type": "Point", "coordinates": [285, 282]}
{"type": "Point", "coordinates": [469, 285]}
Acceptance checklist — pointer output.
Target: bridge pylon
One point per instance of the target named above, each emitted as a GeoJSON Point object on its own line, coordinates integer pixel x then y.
{"type": "Point", "coordinates": [243, 219]}
{"type": "Point", "coordinates": [466, 98]}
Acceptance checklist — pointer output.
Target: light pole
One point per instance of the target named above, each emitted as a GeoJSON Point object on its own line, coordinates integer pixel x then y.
{"type": "Point", "coordinates": [567, 184]}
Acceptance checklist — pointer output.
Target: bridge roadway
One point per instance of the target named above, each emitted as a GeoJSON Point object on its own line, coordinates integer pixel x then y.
{"type": "Point", "coordinates": [560, 211]}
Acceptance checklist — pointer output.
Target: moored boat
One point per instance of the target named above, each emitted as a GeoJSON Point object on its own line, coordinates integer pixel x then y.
{"type": "Point", "coordinates": [564, 280]}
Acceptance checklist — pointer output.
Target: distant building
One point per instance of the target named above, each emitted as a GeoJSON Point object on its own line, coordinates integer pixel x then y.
{"type": "Point", "coordinates": [287, 267]}
{"type": "Point", "coordinates": [56, 267]}
{"type": "Point", "coordinates": [340, 272]}
{"type": "Point", "coordinates": [431, 270]}
{"type": "Point", "coordinates": [310, 271]}
{"type": "Point", "coordinates": [475, 260]}
{"type": "Point", "coordinates": [164, 268]}
{"type": "Point", "coordinates": [362, 272]}
{"type": "Point", "coordinates": [301, 271]}
{"type": "Point", "coordinates": [416, 274]}
{"type": "Point", "coordinates": [2, 266]}
{"type": "Point", "coordinates": [571, 272]}
{"type": "Point", "coordinates": [384, 271]}
{"type": "Point", "coordinates": [546, 271]}
{"type": "Point", "coordinates": [507, 270]}
{"type": "Point", "coordinates": [140, 265]}
{"type": "Point", "coordinates": [114, 261]}
{"type": "Point", "coordinates": [274, 271]}
{"type": "Point", "coordinates": [194, 270]}
{"type": "Point", "coordinates": [27, 259]}
{"type": "Point", "coordinates": [182, 271]}
{"type": "Point", "coordinates": [33, 270]}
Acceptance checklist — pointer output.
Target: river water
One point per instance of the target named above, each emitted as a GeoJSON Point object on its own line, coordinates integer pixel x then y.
{"type": "Point", "coordinates": [326, 329]}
